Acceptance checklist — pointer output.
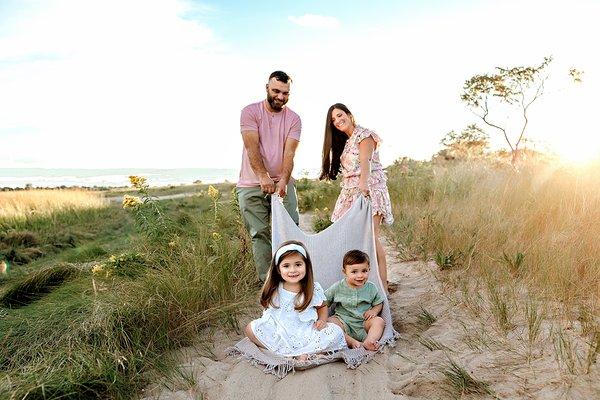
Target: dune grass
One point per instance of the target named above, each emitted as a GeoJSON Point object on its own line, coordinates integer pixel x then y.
{"type": "Point", "coordinates": [23, 204]}
{"type": "Point", "coordinates": [104, 329]}
{"type": "Point", "coordinates": [519, 245]}
{"type": "Point", "coordinates": [460, 382]}
{"type": "Point", "coordinates": [538, 224]}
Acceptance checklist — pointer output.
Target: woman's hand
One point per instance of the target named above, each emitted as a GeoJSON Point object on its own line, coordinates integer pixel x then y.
{"type": "Point", "coordinates": [364, 188]}
{"type": "Point", "coordinates": [320, 324]}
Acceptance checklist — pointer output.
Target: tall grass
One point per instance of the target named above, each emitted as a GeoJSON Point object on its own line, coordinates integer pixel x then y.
{"type": "Point", "coordinates": [28, 203]}
{"type": "Point", "coordinates": [539, 224]}
{"type": "Point", "coordinates": [103, 333]}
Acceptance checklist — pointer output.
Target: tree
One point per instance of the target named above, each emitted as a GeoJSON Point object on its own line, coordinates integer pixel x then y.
{"type": "Point", "coordinates": [511, 90]}
{"type": "Point", "coordinates": [471, 142]}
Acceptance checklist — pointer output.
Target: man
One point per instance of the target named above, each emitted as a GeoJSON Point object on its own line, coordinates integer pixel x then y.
{"type": "Point", "coordinates": [271, 133]}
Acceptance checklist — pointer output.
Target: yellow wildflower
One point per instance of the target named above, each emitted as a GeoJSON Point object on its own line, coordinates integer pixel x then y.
{"type": "Point", "coordinates": [172, 244]}
{"type": "Point", "coordinates": [131, 201]}
{"type": "Point", "coordinates": [137, 181]}
{"type": "Point", "coordinates": [97, 269]}
{"type": "Point", "coordinates": [216, 236]}
{"type": "Point", "coordinates": [213, 192]}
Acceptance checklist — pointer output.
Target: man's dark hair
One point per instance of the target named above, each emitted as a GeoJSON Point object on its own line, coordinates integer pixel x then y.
{"type": "Point", "coordinates": [280, 76]}
{"type": "Point", "coordinates": [355, 257]}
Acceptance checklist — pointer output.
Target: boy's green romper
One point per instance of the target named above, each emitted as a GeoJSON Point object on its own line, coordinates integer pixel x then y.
{"type": "Point", "coordinates": [351, 304]}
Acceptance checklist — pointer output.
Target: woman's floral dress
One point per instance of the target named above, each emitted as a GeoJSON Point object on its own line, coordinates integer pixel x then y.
{"type": "Point", "coordinates": [350, 163]}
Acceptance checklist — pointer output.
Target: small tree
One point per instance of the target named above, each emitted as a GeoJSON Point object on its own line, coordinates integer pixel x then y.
{"type": "Point", "coordinates": [513, 90]}
{"type": "Point", "coordinates": [471, 142]}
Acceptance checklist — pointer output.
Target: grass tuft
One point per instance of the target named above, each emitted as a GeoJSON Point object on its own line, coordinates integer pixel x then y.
{"type": "Point", "coordinates": [446, 261]}
{"type": "Point", "coordinates": [461, 382]}
{"type": "Point", "coordinates": [426, 318]}
{"type": "Point", "coordinates": [432, 344]}
{"type": "Point", "coordinates": [36, 285]}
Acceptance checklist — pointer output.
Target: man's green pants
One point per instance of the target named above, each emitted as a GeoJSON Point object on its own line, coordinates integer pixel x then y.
{"type": "Point", "coordinates": [255, 207]}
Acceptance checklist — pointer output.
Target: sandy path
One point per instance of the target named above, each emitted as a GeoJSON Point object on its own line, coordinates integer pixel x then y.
{"type": "Point", "coordinates": [410, 370]}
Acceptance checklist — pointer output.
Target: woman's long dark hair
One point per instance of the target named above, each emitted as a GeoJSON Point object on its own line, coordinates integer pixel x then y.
{"type": "Point", "coordinates": [333, 144]}
{"type": "Point", "coordinates": [304, 297]}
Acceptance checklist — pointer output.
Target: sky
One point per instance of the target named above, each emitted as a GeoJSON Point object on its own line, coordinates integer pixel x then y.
{"type": "Point", "coordinates": [160, 84]}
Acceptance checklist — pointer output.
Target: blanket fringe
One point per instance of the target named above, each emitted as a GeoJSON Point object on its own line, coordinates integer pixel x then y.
{"type": "Point", "coordinates": [281, 366]}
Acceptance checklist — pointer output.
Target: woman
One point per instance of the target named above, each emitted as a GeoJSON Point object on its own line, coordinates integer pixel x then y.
{"type": "Point", "coordinates": [354, 150]}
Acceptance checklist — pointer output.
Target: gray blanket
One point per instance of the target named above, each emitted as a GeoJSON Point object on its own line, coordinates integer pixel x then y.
{"type": "Point", "coordinates": [327, 248]}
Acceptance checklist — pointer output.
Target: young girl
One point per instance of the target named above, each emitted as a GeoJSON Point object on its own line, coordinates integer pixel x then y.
{"type": "Point", "coordinates": [294, 320]}
{"type": "Point", "coordinates": [353, 150]}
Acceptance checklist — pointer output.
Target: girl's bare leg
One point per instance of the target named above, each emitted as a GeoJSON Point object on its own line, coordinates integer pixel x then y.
{"type": "Point", "coordinates": [253, 339]}
{"type": "Point", "coordinates": [374, 328]}
{"type": "Point", "coordinates": [350, 341]}
{"type": "Point", "coordinates": [381, 260]}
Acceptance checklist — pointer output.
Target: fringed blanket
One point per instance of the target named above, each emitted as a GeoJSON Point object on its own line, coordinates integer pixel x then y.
{"type": "Point", "coordinates": [327, 248]}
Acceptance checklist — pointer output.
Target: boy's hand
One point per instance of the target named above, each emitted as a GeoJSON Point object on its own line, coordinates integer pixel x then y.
{"type": "Point", "coordinates": [370, 314]}
{"type": "Point", "coordinates": [320, 324]}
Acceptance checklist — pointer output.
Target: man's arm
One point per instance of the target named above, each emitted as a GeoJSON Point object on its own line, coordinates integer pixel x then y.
{"type": "Point", "coordinates": [252, 145]}
{"type": "Point", "coordinates": [289, 151]}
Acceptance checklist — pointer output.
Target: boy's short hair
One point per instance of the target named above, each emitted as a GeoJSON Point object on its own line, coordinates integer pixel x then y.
{"type": "Point", "coordinates": [355, 257]}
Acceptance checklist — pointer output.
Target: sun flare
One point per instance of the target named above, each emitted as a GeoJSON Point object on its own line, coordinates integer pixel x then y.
{"type": "Point", "coordinates": [578, 151]}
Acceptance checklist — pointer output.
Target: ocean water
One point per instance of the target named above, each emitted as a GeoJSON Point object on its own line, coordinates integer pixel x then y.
{"type": "Point", "coordinates": [41, 177]}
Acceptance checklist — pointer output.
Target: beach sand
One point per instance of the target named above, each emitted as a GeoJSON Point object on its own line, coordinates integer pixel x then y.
{"type": "Point", "coordinates": [462, 332]}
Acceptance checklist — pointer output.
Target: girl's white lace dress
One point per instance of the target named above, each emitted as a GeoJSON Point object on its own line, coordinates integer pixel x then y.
{"type": "Point", "coordinates": [289, 333]}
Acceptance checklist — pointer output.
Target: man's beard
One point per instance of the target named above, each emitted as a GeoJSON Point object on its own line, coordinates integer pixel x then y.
{"type": "Point", "coordinates": [277, 106]}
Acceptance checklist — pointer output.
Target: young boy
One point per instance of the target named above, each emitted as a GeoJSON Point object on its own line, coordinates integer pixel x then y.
{"type": "Point", "coordinates": [358, 303]}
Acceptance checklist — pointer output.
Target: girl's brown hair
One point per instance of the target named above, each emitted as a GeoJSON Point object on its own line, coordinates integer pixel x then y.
{"type": "Point", "coordinates": [269, 290]}
{"type": "Point", "coordinates": [333, 144]}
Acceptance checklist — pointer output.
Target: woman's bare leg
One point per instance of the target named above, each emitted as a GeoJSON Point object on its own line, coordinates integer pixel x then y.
{"type": "Point", "coordinates": [381, 260]}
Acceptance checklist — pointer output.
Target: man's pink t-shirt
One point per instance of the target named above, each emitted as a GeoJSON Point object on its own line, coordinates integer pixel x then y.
{"type": "Point", "coordinates": [273, 130]}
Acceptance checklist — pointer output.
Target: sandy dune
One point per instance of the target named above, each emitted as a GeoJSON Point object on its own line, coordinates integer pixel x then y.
{"type": "Point", "coordinates": [509, 367]}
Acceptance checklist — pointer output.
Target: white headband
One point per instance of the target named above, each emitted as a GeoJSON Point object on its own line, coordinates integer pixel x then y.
{"type": "Point", "coordinates": [289, 247]}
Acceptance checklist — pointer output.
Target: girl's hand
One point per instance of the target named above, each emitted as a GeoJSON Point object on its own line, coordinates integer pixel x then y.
{"type": "Point", "coordinates": [364, 188]}
{"type": "Point", "coordinates": [369, 314]}
{"type": "Point", "coordinates": [320, 324]}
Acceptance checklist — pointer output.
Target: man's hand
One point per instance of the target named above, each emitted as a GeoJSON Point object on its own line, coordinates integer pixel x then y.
{"type": "Point", "coordinates": [281, 188]}
{"type": "Point", "coordinates": [266, 184]}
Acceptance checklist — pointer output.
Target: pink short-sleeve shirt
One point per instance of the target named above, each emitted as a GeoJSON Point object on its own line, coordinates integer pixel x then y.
{"type": "Point", "coordinates": [273, 130]}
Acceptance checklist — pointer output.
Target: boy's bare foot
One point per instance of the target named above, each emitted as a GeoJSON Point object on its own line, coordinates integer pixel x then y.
{"type": "Point", "coordinates": [371, 345]}
{"type": "Point", "coordinates": [353, 343]}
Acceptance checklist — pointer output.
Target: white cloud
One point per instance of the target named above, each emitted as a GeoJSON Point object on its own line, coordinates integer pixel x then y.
{"type": "Point", "coordinates": [316, 21]}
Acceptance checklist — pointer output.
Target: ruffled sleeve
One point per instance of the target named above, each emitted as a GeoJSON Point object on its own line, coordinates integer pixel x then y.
{"type": "Point", "coordinates": [318, 296]}
{"type": "Point", "coordinates": [310, 313]}
{"type": "Point", "coordinates": [363, 133]}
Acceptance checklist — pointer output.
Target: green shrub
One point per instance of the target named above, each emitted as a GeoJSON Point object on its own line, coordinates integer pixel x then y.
{"type": "Point", "coordinates": [321, 219]}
